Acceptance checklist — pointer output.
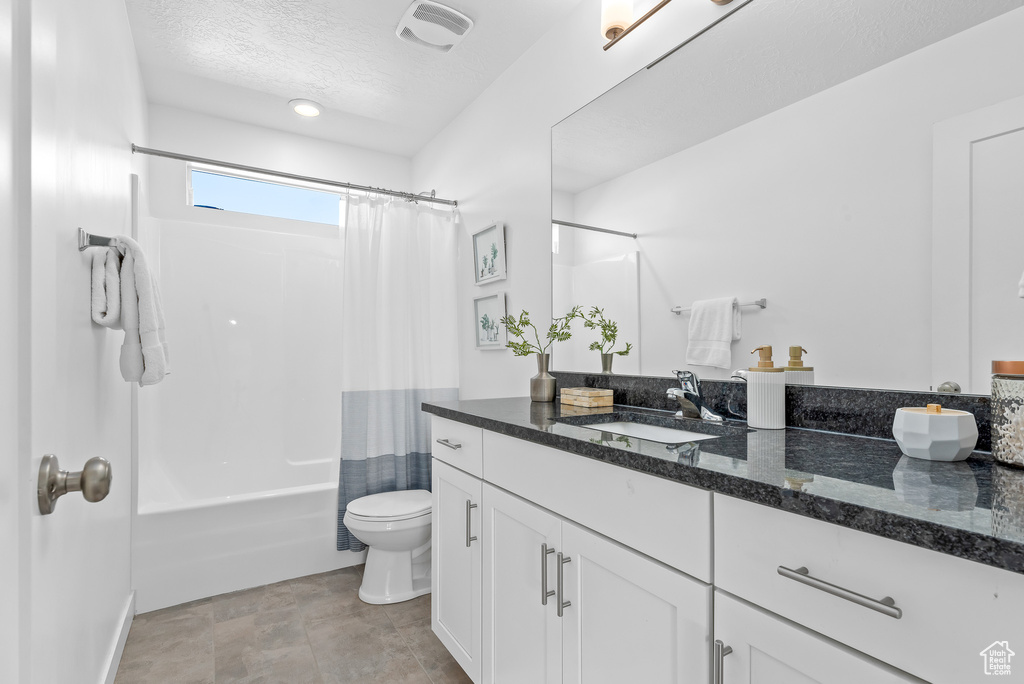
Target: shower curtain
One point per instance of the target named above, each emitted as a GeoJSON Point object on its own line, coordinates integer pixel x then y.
{"type": "Point", "coordinates": [399, 343]}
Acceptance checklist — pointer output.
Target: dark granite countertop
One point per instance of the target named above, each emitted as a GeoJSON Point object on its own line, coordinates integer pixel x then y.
{"type": "Point", "coordinates": [973, 509]}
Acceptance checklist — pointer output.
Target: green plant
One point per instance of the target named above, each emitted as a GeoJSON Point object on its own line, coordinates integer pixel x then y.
{"type": "Point", "coordinates": [494, 253]}
{"type": "Point", "coordinates": [595, 320]}
{"type": "Point", "coordinates": [558, 331]}
{"type": "Point", "coordinates": [485, 322]}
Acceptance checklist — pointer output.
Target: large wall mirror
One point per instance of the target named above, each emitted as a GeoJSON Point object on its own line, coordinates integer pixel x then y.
{"type": "Point", "coordinates": [859, 165]}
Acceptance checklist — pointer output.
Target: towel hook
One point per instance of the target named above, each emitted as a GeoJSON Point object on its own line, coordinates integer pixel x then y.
{"type": "Point", "coordinates": [87, 240]}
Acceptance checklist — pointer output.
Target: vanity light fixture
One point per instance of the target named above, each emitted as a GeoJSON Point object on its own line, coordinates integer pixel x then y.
{"type": "Point", "coordinates": [617, 18]}
{"type": "Point", "coordinates": [305, 107]}
{"type": "Point", "coordinates": [616, 15]}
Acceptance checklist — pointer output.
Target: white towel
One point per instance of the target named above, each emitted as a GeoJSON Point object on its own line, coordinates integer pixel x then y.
{"type": "Point", "coordinates": [144, 357]}
{"type": "Point", "coordinates": [106, 288]}
{"type": "Point", "coordinates": [1020, 287]}
{"type": "Point", "coordinates": [714, 325]}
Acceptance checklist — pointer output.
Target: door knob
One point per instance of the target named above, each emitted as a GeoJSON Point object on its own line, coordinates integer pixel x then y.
{"type": "Point", "coordinates": [93, 480]}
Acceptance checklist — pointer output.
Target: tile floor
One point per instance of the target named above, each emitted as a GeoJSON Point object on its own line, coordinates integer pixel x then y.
{"type": "Point", "coordinates": [311, 630]}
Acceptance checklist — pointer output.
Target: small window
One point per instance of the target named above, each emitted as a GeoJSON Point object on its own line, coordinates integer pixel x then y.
{"type": "Point", "coordinates": [252, 196]}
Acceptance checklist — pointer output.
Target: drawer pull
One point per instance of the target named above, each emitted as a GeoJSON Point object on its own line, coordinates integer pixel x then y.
{"type": "Point", "coordinates": [469, 523]}
{"type": "Point", "coordinates": [562, 605]}
{"type": "Point", "coordinates": [450, 445]}
{"type": "Point", "coordinates": [545, 593]}
{"type": "Point", "coordinates": [886, 606]}
{"type": "Point", "coordinates": [721, 650]}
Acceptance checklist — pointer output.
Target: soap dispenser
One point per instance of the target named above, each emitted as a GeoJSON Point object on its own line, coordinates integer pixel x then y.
{"type": "Point", "coordinates": [796, 372]}
{"type": "Point", "coordinates": [766, 393]}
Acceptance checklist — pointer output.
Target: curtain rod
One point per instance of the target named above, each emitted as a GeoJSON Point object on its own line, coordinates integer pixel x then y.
{"type": "Point", "coordinates": [594, 228]}
{"type": "Point", "coordinates": [291, 176]}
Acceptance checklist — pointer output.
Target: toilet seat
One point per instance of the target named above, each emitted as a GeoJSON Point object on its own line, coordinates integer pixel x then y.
{"type": "Point", "coordinates": [391, 506]}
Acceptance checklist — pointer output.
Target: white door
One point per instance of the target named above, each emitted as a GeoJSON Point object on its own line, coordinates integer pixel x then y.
{"type": "Point", "coordinates": [15, 470]}
{"type": "Point", "coordinates": [522, 638]}
{"type": "Point", "coordinates": [631, 619]}
{"type": "Point", "coordinates": [978, 243]}
{"type": "Point", "coordinates": [73, 168]}
{"type": "Point", "coordinates": [455, 558]}
{"type": "Point", "coordinates": [769, 650]}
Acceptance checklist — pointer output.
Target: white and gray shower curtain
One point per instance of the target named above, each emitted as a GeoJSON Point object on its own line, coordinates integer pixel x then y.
{"type": "Point", "coordinates": [399, 343]}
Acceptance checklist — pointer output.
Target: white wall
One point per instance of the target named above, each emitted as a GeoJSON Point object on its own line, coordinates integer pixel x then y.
{"type": "Point", "coordinates": [86, 106]}
{"type": "Point", "coordinates": [495, 158]}
{"type": "Point", "coordinates": [823, 207]}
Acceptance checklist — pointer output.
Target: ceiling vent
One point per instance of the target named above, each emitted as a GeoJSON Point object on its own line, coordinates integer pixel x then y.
{"type": "Point", "coordinates": [432, 25]}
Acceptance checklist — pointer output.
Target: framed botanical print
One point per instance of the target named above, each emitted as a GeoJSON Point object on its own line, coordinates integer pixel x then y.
{"type": "Point", "coordinates": [489, 254]}
{"type": "Point", "coordinates": [487, 314]}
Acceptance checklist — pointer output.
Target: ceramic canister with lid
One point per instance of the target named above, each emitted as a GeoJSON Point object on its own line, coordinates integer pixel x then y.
{"type": "Point", "coordinates": [1008, 412]}
{"type": "Point", "coordinates": [934, 433]}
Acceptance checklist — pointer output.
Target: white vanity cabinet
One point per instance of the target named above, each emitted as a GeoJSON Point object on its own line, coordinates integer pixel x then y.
{"type": "Point", "coordinates": [630, 619]}
{"type": "Point", "coordinates": [628, 558]}
{"type": "Point", "coordinates": [455, 565]}
{"type": "Point", "coordinates": [456, 550]}
{"type": "Point", "coordinates": [923, 612]}
{"type": "Point", "coordinates": [755, 647]}
{"type": "Point", "coordinates": [522, 634]}
{"type": "Point", "coordinates": [624, 616]}
{"type": "Point", "coordinates": [562, 604]}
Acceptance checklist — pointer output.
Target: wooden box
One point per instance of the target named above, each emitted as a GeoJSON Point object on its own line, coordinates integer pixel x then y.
{"type": "Point", "coordinates": [570, 410]}
{"type": "Point", "coordinates": [586, 397]}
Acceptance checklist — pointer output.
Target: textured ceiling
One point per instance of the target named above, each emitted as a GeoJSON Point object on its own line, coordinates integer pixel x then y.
{"type": "Point", "coordinates": [764, 57]}
{"type": "Point", "coordinates": [244, 59]}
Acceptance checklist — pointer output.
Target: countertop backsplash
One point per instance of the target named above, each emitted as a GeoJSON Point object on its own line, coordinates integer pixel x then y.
{"type": "Point", "coordinates": [846, 410]}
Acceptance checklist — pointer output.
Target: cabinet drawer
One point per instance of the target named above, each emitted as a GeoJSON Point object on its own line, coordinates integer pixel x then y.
{"type": "Point", "coordinates": [766, 648]}
{"type": "Point", "coordinates": [665, 520]}
{"type": "Point", "coordinates": [457, 444]}
{"type": "Point", "coordinates": [952, 609]}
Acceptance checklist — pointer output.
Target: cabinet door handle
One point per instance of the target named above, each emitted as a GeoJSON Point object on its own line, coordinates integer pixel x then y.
{"type": "Point", "coordinates": [450, 445]}
{"type": "Point", "coordinates": [721, 650]}
{"type": "Point", "coordinates": [545, 593]}
{"type": "Point", "coordinates": [885, 606]}
{"type": "Point", "coordinates": [562, 605]}
{"type": "Point", "coordinates": [469, 523]}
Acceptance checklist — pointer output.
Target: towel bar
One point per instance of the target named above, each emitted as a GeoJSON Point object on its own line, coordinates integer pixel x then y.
{"type": "Point", "coordinates": [762, 303]}
{"type": "Point", "coordinates": [87, 240]}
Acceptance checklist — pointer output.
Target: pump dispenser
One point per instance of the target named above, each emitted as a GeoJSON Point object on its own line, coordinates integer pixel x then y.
{"type": "Point", "coordinates": [764, 360]}
{"type": "Point", "coordinates": [796, 372]}
{"type": "Point", "coordinates": [766, 392]}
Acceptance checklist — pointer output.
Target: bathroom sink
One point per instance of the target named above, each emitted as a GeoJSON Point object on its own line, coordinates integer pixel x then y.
{"type": "Point", "coordinates": [653, 433]}
{"type": "Point", "coordinates": [654, 427]}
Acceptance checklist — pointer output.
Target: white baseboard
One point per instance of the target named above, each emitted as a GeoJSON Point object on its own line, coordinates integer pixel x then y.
{"type": "Point", "coordinates": [117, 648]}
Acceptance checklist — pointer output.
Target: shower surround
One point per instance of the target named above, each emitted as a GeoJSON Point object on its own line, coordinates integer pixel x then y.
{"type": "Point", "coordinates": [238, 448]}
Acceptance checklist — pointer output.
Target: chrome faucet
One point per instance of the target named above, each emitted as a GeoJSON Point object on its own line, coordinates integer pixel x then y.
{"type": "Point", "coordinates": [689, 390]}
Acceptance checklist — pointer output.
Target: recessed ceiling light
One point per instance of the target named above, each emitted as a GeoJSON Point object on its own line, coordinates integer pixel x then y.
{"type": "Point", "coordinates": [305, 107]}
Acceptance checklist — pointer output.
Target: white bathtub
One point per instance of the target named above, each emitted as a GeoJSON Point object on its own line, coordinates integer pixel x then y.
{"type": "Point", "coordinates": [238, 447]}
{"type": "Point", "coordinates": [211, 547]}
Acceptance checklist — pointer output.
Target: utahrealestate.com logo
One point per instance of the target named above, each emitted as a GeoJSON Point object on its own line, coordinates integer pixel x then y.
{"type": "Point", "coordinates": [997, 658]}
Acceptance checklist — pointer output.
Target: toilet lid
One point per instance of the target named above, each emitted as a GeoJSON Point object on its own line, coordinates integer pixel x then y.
{"type": "Point", "coordinates": [392, 505]}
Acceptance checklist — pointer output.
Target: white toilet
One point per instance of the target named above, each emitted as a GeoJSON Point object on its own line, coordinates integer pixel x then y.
{"type": "Point", "coordinates": [396, 527]}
